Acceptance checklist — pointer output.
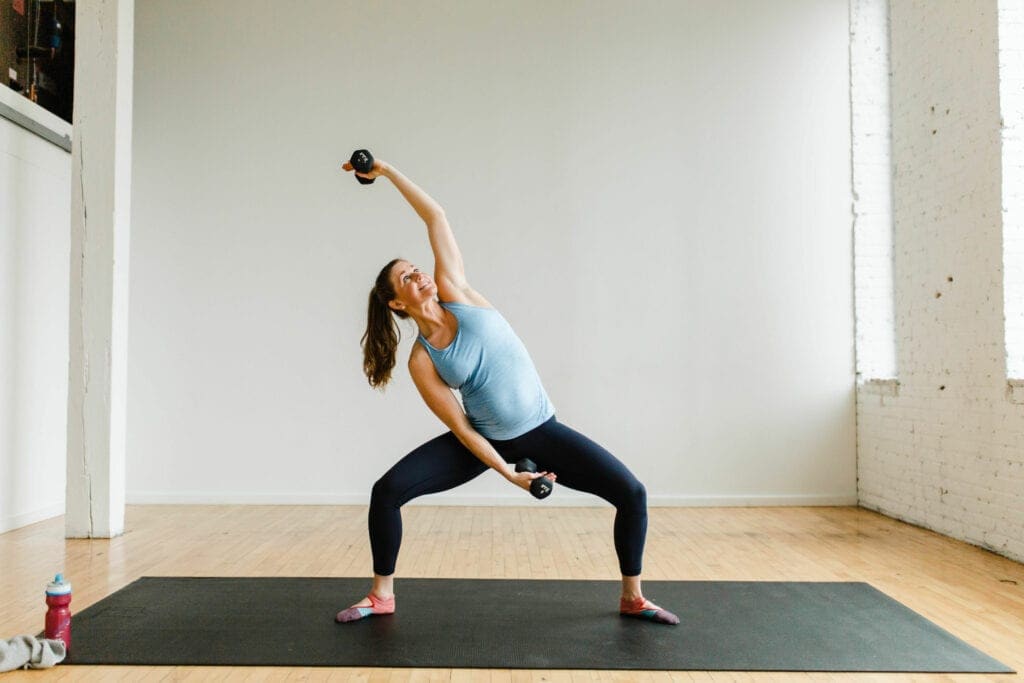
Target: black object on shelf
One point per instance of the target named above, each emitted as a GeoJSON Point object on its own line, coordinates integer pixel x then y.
{"type": "Point", "coordinates": [34, 51]}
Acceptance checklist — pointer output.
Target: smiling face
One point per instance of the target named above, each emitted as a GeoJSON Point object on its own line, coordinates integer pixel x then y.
{"type": "Point", "coordinates": [412, 286]}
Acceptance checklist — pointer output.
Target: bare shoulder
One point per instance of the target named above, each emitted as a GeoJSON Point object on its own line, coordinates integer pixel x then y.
{"type": "Point", "coordinates": [418, 356]}
{"type": "Point", "coordinates": [464, 295]}
{"type": "Point", "coordinates": [421, 369]}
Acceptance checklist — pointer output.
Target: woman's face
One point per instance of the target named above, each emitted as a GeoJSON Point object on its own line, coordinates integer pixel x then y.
{"type": "Point", "coordinates": [412, 286]}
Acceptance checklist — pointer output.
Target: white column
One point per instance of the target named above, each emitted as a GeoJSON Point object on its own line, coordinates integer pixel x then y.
{"type": "Point", "coordinates": [100, 228]}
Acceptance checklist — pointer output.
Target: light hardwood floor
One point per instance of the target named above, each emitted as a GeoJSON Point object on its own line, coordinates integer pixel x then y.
{"type": "Point", "coordinates": [976, 595]}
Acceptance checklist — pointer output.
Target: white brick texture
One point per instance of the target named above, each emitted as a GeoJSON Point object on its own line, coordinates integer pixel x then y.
{"type": "Point", "coordinates": [946, 451]}
{"type": "Point", "coordinates": [1011, 97]}
{"type": "Point", "coordinates": [872, 189]}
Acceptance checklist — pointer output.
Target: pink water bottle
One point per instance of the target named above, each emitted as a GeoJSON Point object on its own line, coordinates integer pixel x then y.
{"type": "Point", "coordinates": [58, 617]}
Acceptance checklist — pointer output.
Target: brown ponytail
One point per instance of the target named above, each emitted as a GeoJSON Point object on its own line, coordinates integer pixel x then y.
{"type": "Point", "coordinates": [380, 341]}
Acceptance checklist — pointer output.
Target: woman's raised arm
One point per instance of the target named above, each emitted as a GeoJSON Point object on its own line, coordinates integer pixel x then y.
{"type": "Point", "coordinates": [449, 271]}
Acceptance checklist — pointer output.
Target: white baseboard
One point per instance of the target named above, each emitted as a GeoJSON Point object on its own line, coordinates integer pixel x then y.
{"type": "Point", "coordinates": [563, 498]}
{"type": "Point", "coordinates": [31, 517]}
{"type": "Point", "coordinates": [766, 500]}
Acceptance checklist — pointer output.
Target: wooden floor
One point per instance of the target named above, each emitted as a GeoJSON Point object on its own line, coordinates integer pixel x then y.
{"type": "Point", "coordinates": [976, 595]}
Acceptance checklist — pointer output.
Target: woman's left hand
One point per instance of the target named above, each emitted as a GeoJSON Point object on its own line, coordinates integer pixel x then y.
{"type": "Point", "coordinates": [379, 168]}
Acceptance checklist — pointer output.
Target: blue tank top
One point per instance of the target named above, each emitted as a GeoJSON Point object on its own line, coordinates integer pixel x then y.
{"type": "Point", "coordinates": [489, 366]}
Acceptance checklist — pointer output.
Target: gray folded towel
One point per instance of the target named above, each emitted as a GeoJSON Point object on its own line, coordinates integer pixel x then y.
{"type": "Point", "coordinates": [30, 652]}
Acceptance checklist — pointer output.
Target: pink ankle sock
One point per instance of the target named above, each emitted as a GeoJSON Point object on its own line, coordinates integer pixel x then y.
{"type": "Point", "coordinates": [378, 606]}
{"type": "Point", "coordinates": [644, 609]}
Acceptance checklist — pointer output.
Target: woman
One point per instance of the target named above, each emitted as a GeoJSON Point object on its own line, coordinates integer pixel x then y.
{"type": "Point", "coordinates": [465, 344]}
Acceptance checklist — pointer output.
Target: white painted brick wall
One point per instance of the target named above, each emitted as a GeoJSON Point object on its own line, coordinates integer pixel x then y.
{"type": "Point", "coordinates": [946, 451]}
{"type": "Point", "coordinates": [1011, 96]}
{"type": "Point", "coordinates": [872, 189]}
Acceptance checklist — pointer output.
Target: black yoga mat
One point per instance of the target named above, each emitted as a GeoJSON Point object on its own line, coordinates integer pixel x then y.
{"type": "Point", "coordinates": [510, 624]}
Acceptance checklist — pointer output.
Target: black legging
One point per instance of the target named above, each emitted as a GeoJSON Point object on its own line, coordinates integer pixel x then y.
{"type": "Point", "coordinates": [444, 463]}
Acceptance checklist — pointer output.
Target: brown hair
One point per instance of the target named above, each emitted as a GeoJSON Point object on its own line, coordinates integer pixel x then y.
{"type": "Point", "coordinates": [380, 341]}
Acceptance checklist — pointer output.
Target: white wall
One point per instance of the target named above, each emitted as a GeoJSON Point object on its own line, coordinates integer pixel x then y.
{"type": "Point", "coordinates": [946, 452]}
{"type": "Point", "coordinates": [872, 189]}
{"type": "Point", "coordinates": [35, 195]}
{"type": "Point", "coordinates": [1011, 105]}
{"type": "Point", "coordinates": [655, 194]}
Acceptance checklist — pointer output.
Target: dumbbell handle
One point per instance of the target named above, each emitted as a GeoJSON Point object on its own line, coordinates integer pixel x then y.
{"type": "Point", "coordinates": [541, 487]}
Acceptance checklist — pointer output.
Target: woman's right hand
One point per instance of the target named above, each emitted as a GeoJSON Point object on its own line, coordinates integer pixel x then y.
{"type": "Point", "coordinates": [523, 479]}
{"type": "Point", "coordinates": [379, 167]}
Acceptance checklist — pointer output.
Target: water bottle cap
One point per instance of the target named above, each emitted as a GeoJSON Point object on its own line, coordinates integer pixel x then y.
{"type": "Point", "coordinates": [59, 586]}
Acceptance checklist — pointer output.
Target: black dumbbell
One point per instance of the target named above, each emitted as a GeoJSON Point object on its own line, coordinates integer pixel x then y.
{"type": "Point", "coordinates": [362, 161]}
{"type": "Point", "coordinates": [540, 487]}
